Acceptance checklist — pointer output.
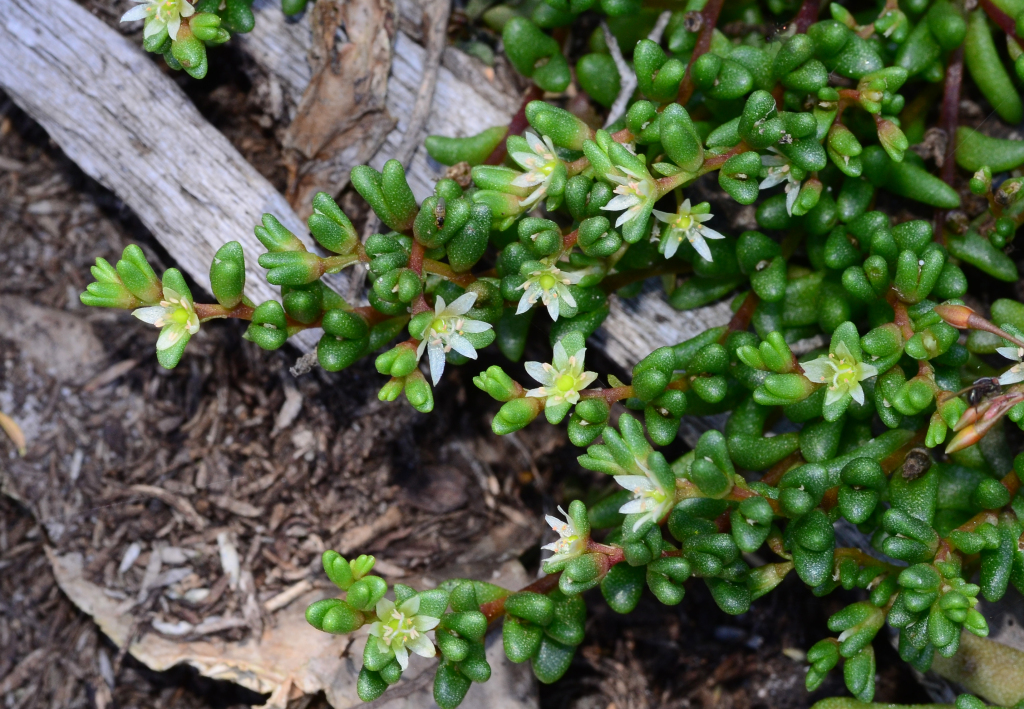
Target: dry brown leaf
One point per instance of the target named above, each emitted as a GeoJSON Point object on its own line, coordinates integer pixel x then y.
{"type": "Point", "coordinates": [341, 120]}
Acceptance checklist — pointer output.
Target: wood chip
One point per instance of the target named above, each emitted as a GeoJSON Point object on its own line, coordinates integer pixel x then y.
{"type": "Point", "coordinates": [287, 596]}
{"type": "Point", "coordinates": [238, 507]}
{"type": "Point", "coordinates": [13, 432]}
{"type": "Point", "coordinates": [110, 374]}
{"type": "Point", "coordinates": [179, 503]}
{"type": "Point", "coordinates": [289, 411]}
{"type": "Point", "coordinates": [359, 536]}
{"type": "Point", "coordinates": [22, 671]}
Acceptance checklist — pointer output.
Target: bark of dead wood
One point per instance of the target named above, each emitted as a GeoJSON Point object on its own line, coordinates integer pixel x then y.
{"type": "Point", "coordinates": [341, 119]}
{"type": "Point", "coordinates": [127, 125]}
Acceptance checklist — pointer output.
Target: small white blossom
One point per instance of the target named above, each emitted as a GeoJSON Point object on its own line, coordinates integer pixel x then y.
{"type": "Point", "coordinates": [563, 378]}
{"type": "Point", "coordinates": [549, 285]}
{"type": "Point", "coordinates": [569, 545]}
{"type": "Point", "coordinates": [540, 165]}
{"type": "Point", "coordinates": [636, 194]}
{"type": "Point", "coordinates": [175, 314]}
{"type": "Point", "coordinates": [400, 629]}
{"type": "Point", "coordinates": [780, 170]}
{"type": "Point", "coordinates": [447, 332]}
{"type": "Point", "coordinates": [685, 224]}
{"type": "Point", "coordinates": [160, 14]}
{"type": "Point", "coordinates": [841, 372]}
{"type": "Point", "coordinates": [649, 496]}
{"type": "Point", "coordinates": [1015, 373]}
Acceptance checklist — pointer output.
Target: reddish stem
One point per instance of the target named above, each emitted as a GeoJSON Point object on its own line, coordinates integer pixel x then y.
{"type": "Point", "coordinates": [213, 310]}
{"type": "Point", "coordinates": [775, 473]}
{"type": "Point", "coordinates": [949, 117]}
{"type": "Point", "coordinates": [709, 18]}
{"type": "Point", "coordinates": [741, 318]}
{"type": "Point", "coordinates": [569, 240]}
{"type": "Point", "coordinates": [416, 258]}
{"type": "Point", "coordinates": [515, 127]}
{"type": "Point", "coordinates": [610, 395]}
{"type": "Point", "coordinates": [1006, 23]}
{"type": "Point", "coordinates": [806, 16]}
{"type": "Point", "coordinates": [901, 318]}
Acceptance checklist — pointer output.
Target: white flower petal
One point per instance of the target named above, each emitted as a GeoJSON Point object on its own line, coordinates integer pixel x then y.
{"type": "Point", "coordinates": [425, 623]}
{"type": "Point", "coordinates": [709, 233]}
{"type": "Point", "coordinates": [560, 358]}
{"type": "Point", "coordinates": [833, 395]}
{"type": "Point", "coordinates": [385, 608]}
{"type": "Point", "coordinates": [565, 295]}
{"type": "Point", "coordinates": [540, 373]}
{"type": "Point", "coordinates": [139, 12]}
{"type": "Point", "coordinates": [435, 353]}
{"type": "Point", "coordinates": [552, 305]}
{"type": "Point", "coordinates": [700, 246]}
{"type": "Point", "coordinates": [173, 25]}
{"type": "Point", "coordinates": [462, 304]}
{"type": "Point", "coordinates": [622, 201]}
{"type": "Point", "coordinates": [1012, 376]}
{"type": "Point", "coordinates": [402, 655]}
{"type": "Point", "coordinates": [169, 337]}
{"type": "Point", "coordinates": [1008, 352]}
{"type": "Point", "coordinates": [421, 645]}
{"type": "Point", "coordinates": [411, 606]}
{"type": "Point", "coordinates": [153, 314]}
{"type": "Point", "coordinates": [635, 482]}
{"type": "Point", "coordinates": [818, 370]}
{"type": "Point", "coordinates": [475, 326]}
{"type": "Point", "coordinates": [671, 242]}
{"type": "Point", "coordinates": [791, 194]}
{"type": "Point", "coordinates": [463, 346]}
{"type": "Point", "coordinates": [857, 392]}
{"type": "Point", "coordinates": [632, 507]}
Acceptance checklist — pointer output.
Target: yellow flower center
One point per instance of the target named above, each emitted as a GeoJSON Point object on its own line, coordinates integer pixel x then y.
{"type": "Point", "coordinates": [179, 316]}
{"type": "Point", "coordinates": [684, 221]}
{"type": "Point", "coordinates": [547, 281]}
{"type": "Point", "coordinates": [398, 628]}
{"type": "Point", "coordinates": [438, 325]}
{"type": "Point", "coordinates": [565, 383]}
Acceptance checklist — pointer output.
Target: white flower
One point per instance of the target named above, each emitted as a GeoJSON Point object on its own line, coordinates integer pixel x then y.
{"type": "Point", "coordinates": [447, 332]}
{"type": "Point", "coordinates": [636, 194]}
{"type": "Point", "coordinates": [400, 629]}
{"type": "Point", "coordinates": [1015, 373]}
{"type": "Point", "coordinates": [175, 315]}
{"type": "Point", "coordinates": [570, 544]}
{"type": "Point", "coordinates": [844, 372]}
{"type": "Point", "coordinates": [540, 166]}
{"type": "Point", "coordinates": [549, 285]}
{"type": "Point", "coordinates": [648, 496]}
{"type": "Point", "coordinates": [685, 224]}
{"type": "Point", "coordinates": [779, 171]}
{"type": "Point", "coordinates": [563, 378]}
{"type": "Point", "coordinates": [160, 14]}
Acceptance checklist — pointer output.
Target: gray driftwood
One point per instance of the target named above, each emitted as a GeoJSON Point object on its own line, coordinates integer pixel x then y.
{"type": "Point", "coordinates": [126, 124]}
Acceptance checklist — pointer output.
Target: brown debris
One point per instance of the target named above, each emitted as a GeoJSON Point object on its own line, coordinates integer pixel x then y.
{"type": "Point", "coordinates": [341, 120]}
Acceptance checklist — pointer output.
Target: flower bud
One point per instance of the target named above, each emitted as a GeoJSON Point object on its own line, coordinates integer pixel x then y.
{"type": "Point", "coordinates": [275, 237]}
{"type": "Point", "coordinates": [418, 392]}
{"type": "Point", "coordinates": [583, 573]}
{"type": "Point", "coordinates": [138, 276]}
{"type": "Point", "coordinates": [515, 414]}
{"type": "Point", "coordinates": [269, 326]}
{"type": "Point", "coordinates": [679, 138]}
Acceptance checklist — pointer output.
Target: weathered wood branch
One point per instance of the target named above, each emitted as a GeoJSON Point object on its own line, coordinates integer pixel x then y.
{"type": "Point", "coordinates": [128, 125]}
